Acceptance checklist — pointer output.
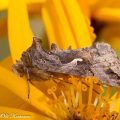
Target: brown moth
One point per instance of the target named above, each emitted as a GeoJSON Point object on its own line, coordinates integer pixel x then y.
{"type": "Point", "coordinates": [99, 60]}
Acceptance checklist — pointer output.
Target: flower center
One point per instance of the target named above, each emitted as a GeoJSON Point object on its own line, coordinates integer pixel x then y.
{"type": "Point", "coordinates": [82, 99]}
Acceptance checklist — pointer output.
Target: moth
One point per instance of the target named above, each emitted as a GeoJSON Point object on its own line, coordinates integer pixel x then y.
{"type": "Point", "coordinates": [98, 60]}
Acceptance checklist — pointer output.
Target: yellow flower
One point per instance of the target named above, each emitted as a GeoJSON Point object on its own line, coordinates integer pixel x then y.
{"type": "Point", "coordinates": [48, 101]}
{"type": "Point", "coordinates": [4, 3]}
{"type": "Point", "coordinates": [63, 20]}
{"type": "Point", "coordinates": [107, 12]}
{"type": "Point", "coordinates": [84, 98]}
{"type": "Point", "coordinates": [110, 34]}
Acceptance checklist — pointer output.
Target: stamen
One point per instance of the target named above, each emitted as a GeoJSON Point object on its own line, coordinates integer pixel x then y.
{"type": "Point", "coordinates": [84, 87]}
{"type": "Point", "coordinates": [88, 79]}
{"type": "Point", "coordinates": [96, 101]}
{"type": "Point", "coordinates": [95, 80]}
{"type": "Point", "coordinates": [100, 101]}
{"type": "Point", "coordinates": [90, 91]}
{"type": "Point", "coordinates": [114, 115]}
{"type": "Point", "coordinates": [78, 112]}
{"type": "Point", "coordinates": [69, 104]}
{"type": "Point", "coordinates": [69, 98]}
{"type": "Point", "coordinates": [113, 105]}
{"type": "Point", "coordinates": [65, 101]}
{"type": "Point", "coordinates": [77, 99]}
{"type": "Point", "coordinates": [73, 95]}
{"type": "Point", "coordinates": [54, 88]}
{"type": "Point", "coordinates": [51, 92]}
{"type": "Point", "coordinates": [118, 93]}
{"type": "Point", "coordinates": [118, 117]}
{"type": "Point", "coordinates": [80, 92]}
{"type": "Point", "coordinates": [107, 95]}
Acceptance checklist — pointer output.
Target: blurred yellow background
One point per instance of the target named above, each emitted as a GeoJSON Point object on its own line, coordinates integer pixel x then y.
{"type": "Point", "coordinates": [78, 23]}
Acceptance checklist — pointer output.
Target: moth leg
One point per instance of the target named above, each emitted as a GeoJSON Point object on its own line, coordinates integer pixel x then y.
{"type": "Point", "coordinates": [28, 88]}
{"type": "Point", "coordinates": [28, 81]}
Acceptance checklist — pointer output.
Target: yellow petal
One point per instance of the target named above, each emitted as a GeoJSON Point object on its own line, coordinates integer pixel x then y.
{"type": "Point", "coordinates": [19, 87]}
{"type": "Point", "coordinates": [17, 114]}
{"type": "Point", "coordinates": [60, 25]}
{"type": "Point", "coordinates": [48, 26]}
{"type": "Point", "coordinates": [107, 14]}
{"type": "Point", "coordinates": [51, 16]}
{"type": "Point", "coordinates": [84, 5]}
{"type": "Point", "coordinates": [7, 63]}
{"type": "Point", "coordinates": [7, 96]}
{"type": "Point", "coordinates": [20, 35]}
{"type": "Point", "coordinates": [107, 3]}
{"type": "Point", "coordinates": [77, 23]}
{"type": "Point", "coordinates": [4, 3]}
{"type": "Point", "coordinates": [115, 104]}
{"type": "Point", "coordinates": [9, 99]}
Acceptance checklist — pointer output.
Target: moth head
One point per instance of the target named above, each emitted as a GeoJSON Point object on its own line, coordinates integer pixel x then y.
{"type": "Point", "coordinates": [18, 68]}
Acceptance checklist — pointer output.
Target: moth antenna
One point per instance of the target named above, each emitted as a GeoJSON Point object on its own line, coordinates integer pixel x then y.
{"type": "Point", "coordinates": [54, 48]}
{"type": "Point", "coordinates": [37, 42]}
{"type": "Point", "coordinates": [28, 88]}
